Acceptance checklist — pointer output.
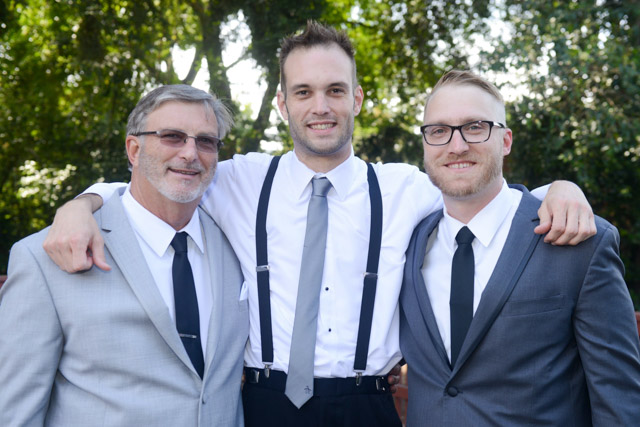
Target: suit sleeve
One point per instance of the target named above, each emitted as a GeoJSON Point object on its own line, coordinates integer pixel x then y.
{"type": "Point", "coordinates": [30, 342]}
{"type": "Point", "coordinates": [607, 337]}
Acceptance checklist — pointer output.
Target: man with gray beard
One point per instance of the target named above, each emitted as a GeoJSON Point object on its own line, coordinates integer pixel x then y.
{"type": "Point", "coordinates": [157, 339]}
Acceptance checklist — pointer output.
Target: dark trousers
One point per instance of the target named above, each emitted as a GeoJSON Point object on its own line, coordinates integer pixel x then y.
{"type": "Point", "coordinates": [336, 402]}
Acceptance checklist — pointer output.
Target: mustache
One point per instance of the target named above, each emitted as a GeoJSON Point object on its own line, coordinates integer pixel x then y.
{"type": "Point", "coordinates": [194, 166]}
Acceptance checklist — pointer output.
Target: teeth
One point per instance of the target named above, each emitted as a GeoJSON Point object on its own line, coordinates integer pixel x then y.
{"type": "Point", "coordinates": [185, 172]}
{"type": "Point", "coordinates": [321, 126]}
{"type": "Point", "coordinates": [460, 165]}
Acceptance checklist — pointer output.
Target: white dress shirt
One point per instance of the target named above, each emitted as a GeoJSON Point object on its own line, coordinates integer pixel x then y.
{"type": "Point", "coordinates": [490, 226]}
{"type": "Point", "coordinates": [407, 197]}
{"type": "Point", "coordinates": [154, 237]}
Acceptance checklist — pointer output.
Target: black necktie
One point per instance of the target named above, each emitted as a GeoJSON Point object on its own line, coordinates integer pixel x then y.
{"type": "Point", "coordinates": [186, 303]}
{"type": "Point", "coordinates": [461, 300]}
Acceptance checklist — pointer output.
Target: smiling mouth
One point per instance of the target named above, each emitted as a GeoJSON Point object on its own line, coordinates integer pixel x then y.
{"type": "Point", "coordinates": [462, 165]}
{"type": "Point", "coordinates": [184, 172]}
{"type": "Point", "coordinates": [322, 126]}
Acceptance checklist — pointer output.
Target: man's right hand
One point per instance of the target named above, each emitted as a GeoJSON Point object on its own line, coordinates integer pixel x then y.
{"type": "Point", "coordinates": [74, 241]}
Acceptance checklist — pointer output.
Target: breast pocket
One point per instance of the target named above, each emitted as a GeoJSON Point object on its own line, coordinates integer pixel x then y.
{"type": "Point", "coordinates": [525, 307]}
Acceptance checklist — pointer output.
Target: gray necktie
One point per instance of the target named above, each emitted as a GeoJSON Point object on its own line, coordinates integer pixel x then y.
{"type": "Point", "coordinates": [299, 387]}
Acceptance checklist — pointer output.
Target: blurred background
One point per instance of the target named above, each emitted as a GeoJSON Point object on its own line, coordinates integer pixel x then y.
{"type": "Point", "coordinates": [71, 71]}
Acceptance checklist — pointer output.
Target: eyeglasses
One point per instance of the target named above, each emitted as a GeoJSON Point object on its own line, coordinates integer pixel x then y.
{"type": "Point", "coordinates": [176, 139]}
{"type": "Point", "coordinates": [472, 132]}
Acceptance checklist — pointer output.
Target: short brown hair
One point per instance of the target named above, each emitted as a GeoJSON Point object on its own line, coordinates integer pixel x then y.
{"type": "Point", "coordinates": [315, 34]}
{"type": "Point", "coordinates": [465, 77]}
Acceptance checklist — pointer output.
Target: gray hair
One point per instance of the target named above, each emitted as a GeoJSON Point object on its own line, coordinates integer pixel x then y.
{"type": "Point", "coordinates": [179, 93]}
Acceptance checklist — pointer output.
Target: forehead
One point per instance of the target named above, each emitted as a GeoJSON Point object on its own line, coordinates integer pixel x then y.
{"type": "Point", "coordinates": [456, 104]}
{"type": "Point", "coordinates": [318, 65]}
{"type": "Point", "coordinates": [187, 116]}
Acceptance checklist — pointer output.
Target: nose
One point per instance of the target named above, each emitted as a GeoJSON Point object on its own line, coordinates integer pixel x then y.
{"type": "Point", "coordinates": [458, 145]}
{"type": "Point", "coordinates": [189, 151]}
{"type": "Point", "coordinates": [320, 104]}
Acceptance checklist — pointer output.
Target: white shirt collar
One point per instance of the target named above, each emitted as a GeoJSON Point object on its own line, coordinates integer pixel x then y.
{"type": "Point", "coordinates": [341, 177]}
{"type": "Point", "coordinates": [485, 224]}
{"type": "Point", "coordinates": [154, 231]}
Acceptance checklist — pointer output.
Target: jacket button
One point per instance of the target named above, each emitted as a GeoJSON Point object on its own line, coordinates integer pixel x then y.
{"type": "Point", "coordinates": [452, 391]}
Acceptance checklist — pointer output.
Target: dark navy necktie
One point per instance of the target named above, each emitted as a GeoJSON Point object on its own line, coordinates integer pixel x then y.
{"type": "Point", "coordinates": [186, 303]}
{"type": "Point", "coordinates": [461, 300]}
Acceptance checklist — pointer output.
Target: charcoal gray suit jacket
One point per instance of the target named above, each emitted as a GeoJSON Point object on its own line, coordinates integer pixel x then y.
{"type": "Point", "coordinates": [553, 341]}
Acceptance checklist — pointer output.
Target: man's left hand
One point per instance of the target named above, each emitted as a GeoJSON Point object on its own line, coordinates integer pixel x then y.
{"type": "Point", "coordinates": [393, 378]}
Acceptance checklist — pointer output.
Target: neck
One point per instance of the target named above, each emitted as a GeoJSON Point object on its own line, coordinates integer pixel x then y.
{"type": "Point", "coordinates": [465, 208]}
{"type": "Point", "coordinates": [322, 163]}
{"type": "Point", "coordinates": [177, 215]}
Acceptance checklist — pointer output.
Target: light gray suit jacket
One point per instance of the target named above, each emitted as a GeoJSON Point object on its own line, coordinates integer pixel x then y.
{"type": "Point", "coordinates": [99, 348]}
{"type": "Point", "coordinates": [553, 341]}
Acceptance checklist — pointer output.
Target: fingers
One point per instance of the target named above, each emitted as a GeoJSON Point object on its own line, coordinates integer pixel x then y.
{"type": "Point", "coordinates": [74, 242]}
{"type": "Point", "coordinates": [393, 378]}
{"type": "Point", "coordinates": [97, 253]}
{"type": "Point", "coordinates": [567, 222]}
{"type": "Point", "coordinates": [586, 226]}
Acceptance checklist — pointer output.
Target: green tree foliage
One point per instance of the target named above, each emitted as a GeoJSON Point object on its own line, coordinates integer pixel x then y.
{"type": "Point", "coordinates": [403, 47]}
{"type": "Point", "coordinates": [71, 71]}
{"type": "Point", "coordinates": [580, 117]}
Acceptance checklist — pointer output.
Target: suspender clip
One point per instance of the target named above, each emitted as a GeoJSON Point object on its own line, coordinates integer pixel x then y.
{"type": "Point", "coordinates": [380, 384]}
{"type": "Point", "coordinates": [267, 369]}
{"type": "Point", "coordinates": [261, 268]}
{"type": "Point", "coordinates": [358, 377]}
{"type": "Point", "coordinates": [373, 275]}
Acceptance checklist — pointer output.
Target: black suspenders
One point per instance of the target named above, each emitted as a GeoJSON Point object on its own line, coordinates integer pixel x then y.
{"type": "Point", "coordinates": [262, 269]}
{"type": "Point", "coordinates": [370, 276]}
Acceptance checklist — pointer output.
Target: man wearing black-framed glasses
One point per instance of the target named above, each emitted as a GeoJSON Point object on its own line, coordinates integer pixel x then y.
{"type": "Point", "coordinates": [497, 327]}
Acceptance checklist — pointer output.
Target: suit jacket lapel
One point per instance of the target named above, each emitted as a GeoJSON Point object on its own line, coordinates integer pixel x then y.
{"type": "Point", "coordinates": [123, 246]}
{"type": "Point", "coordinates": [518, 248]}
{"type": "Point", "coordinates": [423, 232]}
{"type": "Point", "coordinates": [215, 255]}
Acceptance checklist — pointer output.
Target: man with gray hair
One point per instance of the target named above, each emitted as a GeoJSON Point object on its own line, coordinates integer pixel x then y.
{"type": "Point", "coordinates": [158, 339]}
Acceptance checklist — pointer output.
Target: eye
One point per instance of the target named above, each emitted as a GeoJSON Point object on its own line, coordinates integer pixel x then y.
{"type": "Point", "coordinates": [437, 130]}
{"type": "Point", "coordinates": [337, 90]}
{"type": "Point", "coordinates": [207, 140]}
{"type": "Point", "coordinates": [476, 126]}
{"type": "Point", "coordinates": [172, 135]}
{"type": "Point", "coordinates": [302, 93]}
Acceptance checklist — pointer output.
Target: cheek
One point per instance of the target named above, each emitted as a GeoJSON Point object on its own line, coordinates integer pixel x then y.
{"type": "Point", "coordinates": [209, 162]}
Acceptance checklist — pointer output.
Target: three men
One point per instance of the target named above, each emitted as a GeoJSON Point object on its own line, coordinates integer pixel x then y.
{"type": "Point", "coordinates": [158, 339]}
{"type": "Point", "coordinates": [497, 327]}
{"type": "Point", "coordinates": [263, 205]}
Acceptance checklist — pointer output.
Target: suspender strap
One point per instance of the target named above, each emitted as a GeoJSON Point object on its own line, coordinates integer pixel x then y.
{"type": "Point", "coordinates": [371, 275]}
{"type": "Point", "coordinates": [262, 269]}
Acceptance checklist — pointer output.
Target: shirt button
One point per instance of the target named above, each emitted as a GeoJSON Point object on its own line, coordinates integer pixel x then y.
{"type": "Point", "coordinates": [329, 329]}
{"type": "Point", "coordinates": [452, 391]}
{"type": "Point", "coordinates": [326, 289]}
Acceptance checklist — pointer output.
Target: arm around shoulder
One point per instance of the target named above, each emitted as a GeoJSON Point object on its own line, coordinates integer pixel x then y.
{"type": "Point", "coordinates": [74, 241]}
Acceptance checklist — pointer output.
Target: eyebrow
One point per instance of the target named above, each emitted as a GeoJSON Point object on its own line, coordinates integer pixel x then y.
{"type": "Point", "coordinates": [343, 85]}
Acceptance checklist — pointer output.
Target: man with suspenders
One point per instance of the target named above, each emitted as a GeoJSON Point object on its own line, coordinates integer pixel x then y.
{"type": "Point", "coordinates": [323, 293]}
